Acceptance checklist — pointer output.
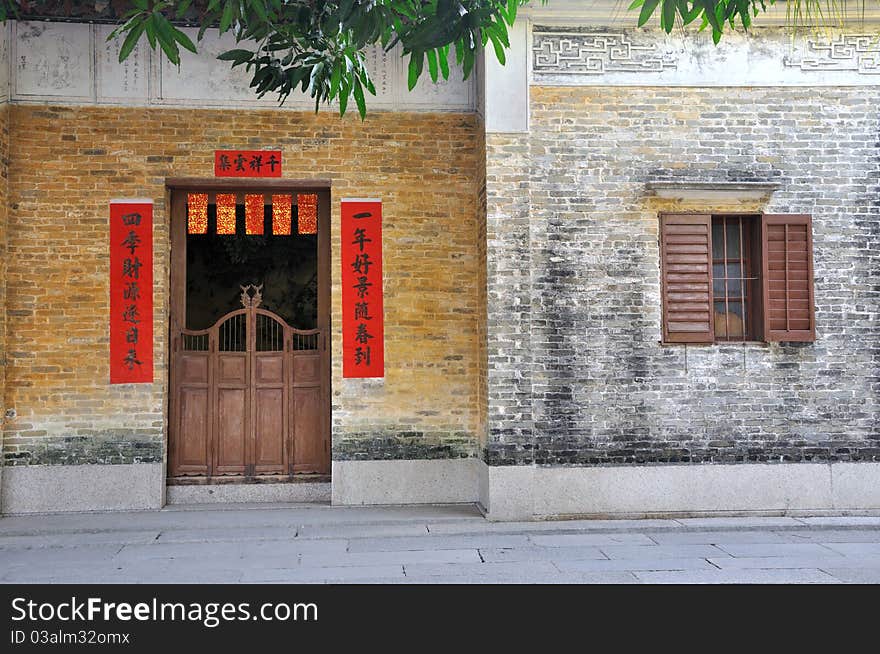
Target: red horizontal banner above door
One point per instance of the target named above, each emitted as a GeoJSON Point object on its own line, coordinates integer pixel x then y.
{"type": "Point", "coordinates": [363, 330]}
{"type": "Point", "coordinates": [247, 163]}
{"type": "Point", "coordinates": [131, 291]}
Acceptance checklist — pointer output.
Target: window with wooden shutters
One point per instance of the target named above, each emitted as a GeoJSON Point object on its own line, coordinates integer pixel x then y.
{"type": "Point", "coordinates": [736, 278]}
{"type": "Point", "coordinates": [686, 276]}
{"type": "Point", "coordinates": [787, 244]}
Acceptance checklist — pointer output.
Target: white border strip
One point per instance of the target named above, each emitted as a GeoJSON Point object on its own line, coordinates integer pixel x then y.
{"type": "Point", "coordinates": [361, 200]}
{"type": "Point", "coordinates": [131, 201]}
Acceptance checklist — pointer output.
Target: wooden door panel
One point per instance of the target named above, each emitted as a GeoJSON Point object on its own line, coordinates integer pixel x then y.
{"type": "Point", "coordinates": [194, 369]}
{"type": "Point", "coordinates": [192, 433]}
{"type": "Point", "coordinates": [269, 442]}
{"type": "Point", "coordinates": [232, 368]}
{"type": "Point", "coordinates": [308, 443]}
{"type": "Point", "coordinates": [306, 369]}
{"type": "Point", "coordinates": [269, 369]}
{"type": "Point", "coordinates": [230, 431]}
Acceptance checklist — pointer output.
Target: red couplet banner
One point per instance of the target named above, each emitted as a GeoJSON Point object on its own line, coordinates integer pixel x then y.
{"type": "Point", "coordinates": [363, 331]}
{"type": "Point", "coordinates": [247, 163]}
{"type": "Point", "coordinates": [131, 291]}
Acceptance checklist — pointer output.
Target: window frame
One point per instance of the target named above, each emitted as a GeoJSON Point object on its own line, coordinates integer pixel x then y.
{"type": "Point", "coordinates": [759, 325]}
{"type": "Point", "coordinates": [752, 254]}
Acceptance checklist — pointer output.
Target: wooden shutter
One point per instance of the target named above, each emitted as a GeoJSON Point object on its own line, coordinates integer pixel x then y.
{"type": "Point", "coordinates": [789, 312]}
{"type": "Point", "coordinates": [686, 278]}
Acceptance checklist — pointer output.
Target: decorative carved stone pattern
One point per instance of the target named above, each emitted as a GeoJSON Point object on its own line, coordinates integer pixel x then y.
{"type": "Point", "coordinates": [558, 52]}
{"type": "Point", "coordinates": [856, 52]}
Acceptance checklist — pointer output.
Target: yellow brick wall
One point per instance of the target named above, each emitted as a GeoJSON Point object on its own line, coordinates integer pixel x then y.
{"type": "Point", "coordinates": [482, 343]}
{"type": "Point", "coordinates": [4, 153]}
{"type": "Point", "coordinates": [66, 163]}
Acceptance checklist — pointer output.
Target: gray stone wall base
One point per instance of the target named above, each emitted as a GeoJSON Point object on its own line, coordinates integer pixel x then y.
{"type": "Point", "coordinates": [483, 484]}
{"type": "Point", "coordinates": [504, 492]}
{"type": "Point", "coordinates": [528, 492]}
{"type": "Point", "coordinates": [233, 493]}
{"type": "Point", "coordinates": [439, 481]}
{"type": "Point", "coordinates": [49, 489]}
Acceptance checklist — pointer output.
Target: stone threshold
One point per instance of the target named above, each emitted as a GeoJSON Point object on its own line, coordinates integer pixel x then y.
{"type": "Point", "coordinates": [237, 493]}
{"type": "Point", "coordinates": [240, 479]}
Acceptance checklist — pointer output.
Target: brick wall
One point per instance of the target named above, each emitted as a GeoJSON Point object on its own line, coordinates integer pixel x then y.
{"type": "Point", "coordinates": [68, 162]}
{"type": "Point", "coordinates": [481, 339]}
{"type": "Point", "coordinates": [604, 390]}
{"type": "Point", "coordinates": [4, 153]}
{"type": "Point", "coordinates": [508, 309]}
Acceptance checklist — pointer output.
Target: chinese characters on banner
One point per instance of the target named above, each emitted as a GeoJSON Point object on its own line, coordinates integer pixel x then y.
{"type": "Point", "coordinates": [247, 163]}
{"type": "Point", "coordinates": [363, 334]}
{"type": "Point", "coordinates": [131, 291]}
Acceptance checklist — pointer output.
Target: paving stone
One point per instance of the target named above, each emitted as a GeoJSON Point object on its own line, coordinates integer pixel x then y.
{"type": "Point", "coordinates": [554, 578]}
{"type": "Point", "coordinates": [855, 575]}
{"type": "Point", "coordinates": [322, 575]}
{"type": "Point", "coordinates": [227, 534]}
{"type": "Point", "coordinates": [684, 551]}
{"type": "Point", "coordinates": [810, 576]}
{"type": "Point", "coordinates": [27, 575]}
{"type": "Point", "coordinates": [199, 547]}
{"type": "Point", "coordinates": [248, 516]}
{"type": "Point", "coordinates": [361, 530]}
{"type": "Point", "coordinates": [832, 536]}
{"type": "Point", "coordinates": [855, 549]}
{"type": "Point", "coordinates": [752, 550]}
{"type": "Point", "coordinates": [77, 539]}
{"type": "Point", "coordinates": [436, 543]}
{"type": "Point", "coordinates": [255, 550]}
{"type": "Point", "coordinates": [714, 537]}
{"type": "Point", "coordinates": [480, 569]}
{"type": "Point", "coordinates": [780, 562]}
{"type": "Point", "coordinates": [227, 575]}
{"type": "Point", "coordinates": [580, 540]}
{"type": "Point", "coordinates": [633, 565]}
{"type": "Point", "coordinates": [552, 526]}
{"type": "Point", "coordinates": [541, 553]}
{"type": "Point", "coordinates": [380, 558]}
{"type": "Point", "coordinates": [197, 551]}
{"type": "Point", "coordinates": [60, 558]}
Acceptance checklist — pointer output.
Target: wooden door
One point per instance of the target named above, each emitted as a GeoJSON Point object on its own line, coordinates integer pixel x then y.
{"type": "Point", "coordinates": [249, 396]}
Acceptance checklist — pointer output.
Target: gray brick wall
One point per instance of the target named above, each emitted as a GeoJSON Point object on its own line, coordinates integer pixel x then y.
{"type": "Point", "coordinates": [568, 204]}
{"type": "Point", "coordinates": [508, 305]}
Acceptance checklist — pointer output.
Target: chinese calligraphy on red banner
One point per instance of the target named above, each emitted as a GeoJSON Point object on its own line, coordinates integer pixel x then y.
{"type": "Point", "coordinates": [131, 291]}
{"type": "Point", "coordinates": [247, 163]}
{"type": "Point", "coordinates": [363, 334]}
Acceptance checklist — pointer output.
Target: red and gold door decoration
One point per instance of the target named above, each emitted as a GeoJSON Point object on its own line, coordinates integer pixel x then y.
{"type": "Point", "coordinates": [131, 291]}
{"type": "Point", "coordinates": [363, 334]}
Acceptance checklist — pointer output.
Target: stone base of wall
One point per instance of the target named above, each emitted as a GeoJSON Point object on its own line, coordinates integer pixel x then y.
{"type": "Point", "coordinates": [504, 492]}
{"type": "Point", "coordinates": [49, 489]}
{"type": "Point", "coordinates": [534, 493]}
{"type": "Point", "coordinates": [237, 493]}
{"type": "Point", "coordinates": [444, 481]}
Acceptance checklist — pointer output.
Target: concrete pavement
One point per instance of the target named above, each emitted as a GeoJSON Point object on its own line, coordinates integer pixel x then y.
{"type": "Point", "coordinates": [428, 544]}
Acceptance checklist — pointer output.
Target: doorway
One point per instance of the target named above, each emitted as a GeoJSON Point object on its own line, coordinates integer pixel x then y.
{"type": "Point", "coordinates": [250, 317]}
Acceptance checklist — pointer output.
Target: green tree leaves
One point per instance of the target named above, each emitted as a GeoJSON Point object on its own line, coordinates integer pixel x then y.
{"type": "Point", "coordinates": [152, 20]}
{"type": "Point", "coordinates": [715, 13]}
